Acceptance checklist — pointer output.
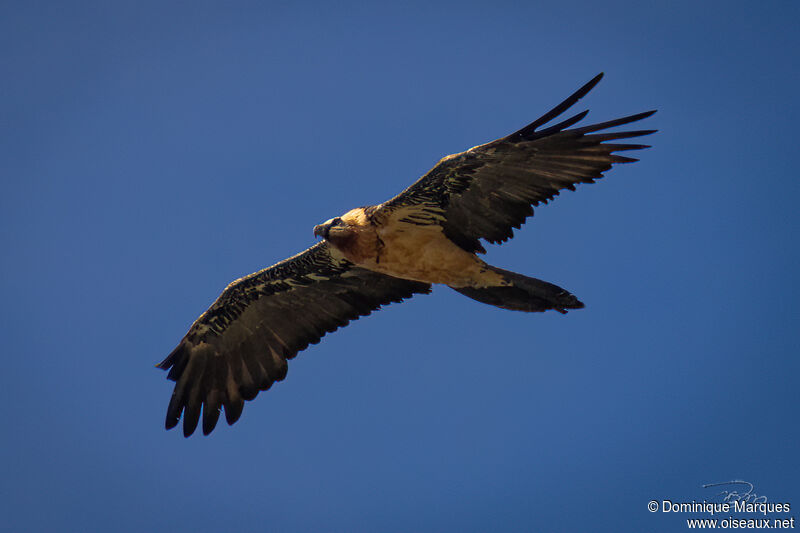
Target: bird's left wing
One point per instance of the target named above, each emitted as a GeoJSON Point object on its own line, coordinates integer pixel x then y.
{"type": "Point", "coordinates": [490, 189]}
{"type": "Point", "coordinates": [240, 345]}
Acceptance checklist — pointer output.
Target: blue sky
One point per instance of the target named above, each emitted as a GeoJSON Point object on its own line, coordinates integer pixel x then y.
{"type": "Point", "coordinates": [153, 153]}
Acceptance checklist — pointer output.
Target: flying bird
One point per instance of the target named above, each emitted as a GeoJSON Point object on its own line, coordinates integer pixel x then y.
{"type": "Point", "coordinates": [373, 256]}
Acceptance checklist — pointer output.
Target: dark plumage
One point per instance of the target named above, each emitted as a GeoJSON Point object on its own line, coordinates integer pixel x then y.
{"type": "Point", "coordinates": [476, 200]}
{"type": "Point", "coordinates": [240, 345]}
{"type": "Point", "coordinates": [381, 254]}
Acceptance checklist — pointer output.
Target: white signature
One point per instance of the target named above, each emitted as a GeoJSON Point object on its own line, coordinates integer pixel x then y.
{"type": "Point", "coordinates": [735, 496]}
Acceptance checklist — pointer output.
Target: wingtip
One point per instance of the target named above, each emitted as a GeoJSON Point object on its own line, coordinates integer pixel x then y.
{"type": "Point", "coordinates": [588, 86]}
{"type": "Point", "coordinates": [188, 428]}
{"type": "Point", "coordinates": [170, 422]}
{"type": "Point", "coordinates": [641, 116]}
{"type": "Point", "coordinates": [557, 110]}
{"type": "Point", "coordinates": [170, 359]}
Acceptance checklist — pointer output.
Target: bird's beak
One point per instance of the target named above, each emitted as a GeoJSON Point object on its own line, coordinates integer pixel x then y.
{"type": "Point", "coordinates": [321, 230]}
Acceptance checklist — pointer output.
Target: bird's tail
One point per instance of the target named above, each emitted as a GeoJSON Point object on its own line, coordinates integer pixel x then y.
{"type": "Point", "coordinates": [523, 294]}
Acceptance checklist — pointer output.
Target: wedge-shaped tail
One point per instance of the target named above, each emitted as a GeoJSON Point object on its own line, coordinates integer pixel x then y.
{"type": "Point", "coordinates": [524, 294]}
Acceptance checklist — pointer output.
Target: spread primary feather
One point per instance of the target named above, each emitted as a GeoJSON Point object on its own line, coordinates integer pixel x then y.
{"type": "Point", "coordinates": [371, 256]}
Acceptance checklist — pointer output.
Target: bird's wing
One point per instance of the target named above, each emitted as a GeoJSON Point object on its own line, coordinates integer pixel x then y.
{"type": "Point", "coordinates": [240, 345]}
{"type": "Point", "coordinates": [490, 189]}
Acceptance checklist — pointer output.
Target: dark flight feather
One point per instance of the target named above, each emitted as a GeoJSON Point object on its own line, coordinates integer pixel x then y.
{"type": "Point", "coordinates": [241, 344]}
{"type": "Point", "coordinates": [487, 191]}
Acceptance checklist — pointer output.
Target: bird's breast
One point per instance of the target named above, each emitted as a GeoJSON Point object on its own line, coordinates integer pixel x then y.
{"type": "Point", "coordinates": [419, 253]}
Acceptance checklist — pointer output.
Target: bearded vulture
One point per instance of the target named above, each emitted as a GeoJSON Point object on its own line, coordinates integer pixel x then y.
{"type": "Point", "coordinates": [373, 256]}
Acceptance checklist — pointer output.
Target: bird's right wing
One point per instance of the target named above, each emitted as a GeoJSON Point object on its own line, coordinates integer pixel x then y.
{"type": "Point", "coordinates": [240, 345]}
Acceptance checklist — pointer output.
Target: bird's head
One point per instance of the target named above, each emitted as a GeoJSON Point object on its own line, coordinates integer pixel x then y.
{"type": "Point", "coordinates": [343, 231]}
{"type": "Point", "coordinates": [335, 225]}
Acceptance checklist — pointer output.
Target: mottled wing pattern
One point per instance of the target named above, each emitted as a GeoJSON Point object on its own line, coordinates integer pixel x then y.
{"type": "Point", "coordinates": [490, 189]}
{"type": "Point", "coordinates": [241, 344]}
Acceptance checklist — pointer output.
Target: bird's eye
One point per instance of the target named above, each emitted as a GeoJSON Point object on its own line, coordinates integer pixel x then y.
{"type": "Point", "coordinates": [336, 221]}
